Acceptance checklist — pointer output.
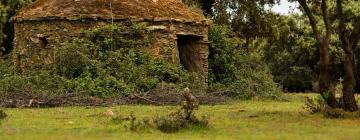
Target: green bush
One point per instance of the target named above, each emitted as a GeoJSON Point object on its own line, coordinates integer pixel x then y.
{"type": "Point", "coordinates": [242, 72]}
{"type": "Point", "coordinates": [3, 115]}
{"type": "Point", "coordinates": [104, 62]}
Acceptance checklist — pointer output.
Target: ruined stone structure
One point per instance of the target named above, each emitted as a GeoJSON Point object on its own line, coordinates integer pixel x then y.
{"type": "Point", "coordinates": [180, 34]}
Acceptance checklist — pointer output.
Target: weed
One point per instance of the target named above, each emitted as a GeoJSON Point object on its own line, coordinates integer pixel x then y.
{"type": "Point", "coordinates": [174, 122]}
{"type": "Point", "coordinates": [318, 105]}
{"type": "Point", "coordinates": [3, 115]}
{"type": "Point", "coordinates": [182, 118]}
{"type": "Point", "coordinates": [315, 105]}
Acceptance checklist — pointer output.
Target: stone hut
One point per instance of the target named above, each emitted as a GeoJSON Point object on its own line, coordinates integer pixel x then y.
{"type": "Point", "coordinates": [180, 34]}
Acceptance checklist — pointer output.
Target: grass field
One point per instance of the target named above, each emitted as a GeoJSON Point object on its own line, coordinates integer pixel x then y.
{"type": "Point", "coordinates": [235, 120]}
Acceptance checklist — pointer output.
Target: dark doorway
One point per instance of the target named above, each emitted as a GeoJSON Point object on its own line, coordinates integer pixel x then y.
{"type": "Point", "coordinates": [189, 52]}
{"type": "Point", "coordinates": [7, 43]}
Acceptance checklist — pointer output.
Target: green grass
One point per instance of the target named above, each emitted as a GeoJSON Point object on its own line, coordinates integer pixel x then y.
{"type": "Point", "coordinates": [236, 120]}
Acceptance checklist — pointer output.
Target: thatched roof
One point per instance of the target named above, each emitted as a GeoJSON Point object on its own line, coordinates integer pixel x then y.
{"type": "Point", "coordinates": [153, 10]}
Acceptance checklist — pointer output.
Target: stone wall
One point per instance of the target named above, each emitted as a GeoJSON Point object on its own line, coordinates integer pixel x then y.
{"type": "Point", "coordinates": [34, 40]}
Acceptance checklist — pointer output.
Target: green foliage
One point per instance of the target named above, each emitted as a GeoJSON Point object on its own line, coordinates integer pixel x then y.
{"type": "Point", "coordinates": [105, 62]}
{"type": "Point", "coordinates": [242, 72]}
{"type": "Point", "coordinates": [3, 115]}
{"type": "Point", "coordinates": [247, 18]}
{"type": "Point", "coordinates": [182, 119]}
{"type": "Point", "coordinates": [174, 123]}
{"type": "Point", "coordinates": [318, 105]}
{"type": "Point", "coordinates": [8, 8]}
{"type": "Point", "coordinates": [293, 56]}
{"type": "Point", "coordinates": [315, 105]}
{"type": "Point", "coordinates": [3, 20]}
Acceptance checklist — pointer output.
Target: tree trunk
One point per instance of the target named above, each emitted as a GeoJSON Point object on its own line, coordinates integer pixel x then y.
{"type": "Point", "coordinates": [323, 41]}
{"type": "Point", "coordinates": [349, 80]}
{"type": "Point", "coordinates": [325, 85]}
{"type": "Point", "coordinates": [356, 67]}
{"type": "Point", "coordinates": [347, 40]}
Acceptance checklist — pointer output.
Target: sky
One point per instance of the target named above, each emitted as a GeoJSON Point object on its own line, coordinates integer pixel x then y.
{"type": "Point", "coordinates": [286, 8]}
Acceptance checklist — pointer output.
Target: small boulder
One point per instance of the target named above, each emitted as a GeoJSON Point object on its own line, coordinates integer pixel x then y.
{"type": "Point", "coordinates": [109, 113]}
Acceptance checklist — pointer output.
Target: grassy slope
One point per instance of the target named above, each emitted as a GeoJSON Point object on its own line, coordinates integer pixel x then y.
{"type": "Point", "coordinates": [276, 120]}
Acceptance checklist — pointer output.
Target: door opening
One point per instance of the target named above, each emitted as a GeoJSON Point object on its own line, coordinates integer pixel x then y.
{"type": "Point", "coordinates": [189, 52]}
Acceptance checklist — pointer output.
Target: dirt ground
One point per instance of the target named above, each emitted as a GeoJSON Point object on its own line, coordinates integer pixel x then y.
{"type": "Point", "coordinates": [153, 97]}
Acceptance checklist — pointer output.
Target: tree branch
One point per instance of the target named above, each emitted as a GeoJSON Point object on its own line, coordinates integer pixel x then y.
{"type": "Point", "coordinates": [312, 20]}
{"type": "Point", "coordinates": [355, 34]}
{"type": "Point", "coordinates": [326, 20]}
{"type": "Point", "coordinates": [343, 36]}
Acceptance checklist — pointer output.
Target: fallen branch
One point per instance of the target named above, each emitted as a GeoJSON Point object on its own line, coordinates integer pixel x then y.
{"type": "Point", "coordinates": [221, 92]}
{"type": "Point", "coordinates": [148, 100]}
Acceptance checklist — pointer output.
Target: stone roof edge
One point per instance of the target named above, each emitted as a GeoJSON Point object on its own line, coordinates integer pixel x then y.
{"type": "Point", "coordinates": [134, 19]}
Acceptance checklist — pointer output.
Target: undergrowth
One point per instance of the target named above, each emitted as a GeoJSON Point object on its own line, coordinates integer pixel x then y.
{"type": "Point", "coordinates": [104, 62]}
{"type": "Point", "coordinates": [318, 105]}
{"type": "Point", "coordinates": [3, 115]}
{"type": "Point", "coordinates": [183, 118]}
{"type": "Point", "coordinates": [239, 71]}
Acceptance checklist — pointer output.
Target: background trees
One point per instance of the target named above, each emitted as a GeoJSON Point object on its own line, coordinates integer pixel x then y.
{"type": "Point", "coordinates": [347, 28]}
{"type": "Point", "coordinates": [8, 8]}
{"type": "Point", "coordinates": [315, 47]}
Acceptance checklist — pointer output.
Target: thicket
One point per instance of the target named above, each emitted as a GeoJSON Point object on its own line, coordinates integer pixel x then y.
{"type": "Point", "coordinates": [234, 68]}
{"type": "Point", "coordinates": [111, 61]}
{"type": "Point", "coordinates": [293, 57]}
{"type": "Point", "coordinates": [105, 62]}
{"type": "Point", "coordinates": [183, 118]}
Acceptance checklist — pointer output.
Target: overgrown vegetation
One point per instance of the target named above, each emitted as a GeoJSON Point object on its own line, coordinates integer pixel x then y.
{"type": "Point", "coordinates": [241, 72]}
{"type": "Point", "coordinates": [292, 55]}
{"type": "Point", "coordinates": [171, 123]}
{"type": "Point", "coordinates": [3, 115]}
{"type": "Point", "coordinates": [318, 105]}
{"type": "Point", "coordinates": [105, 62]}
{"type": "Point", "coordinates": [251, 48]}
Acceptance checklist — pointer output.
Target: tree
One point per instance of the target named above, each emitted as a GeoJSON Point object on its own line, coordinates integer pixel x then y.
{"type": "Point", "coordinates": [8, 8]}
{"type": "Point", "coordinates": [292, 57]}
{"type": "Point", "coordinates": [249, 19]}
{"type": "Point", "coordinates": [349, 39]}
{"type": "Point", "coordinates": [357, 61]}
{"type": "Point", "coordinates": [323, 42]}
{"type": "Point", "coordinates": [205, 5]}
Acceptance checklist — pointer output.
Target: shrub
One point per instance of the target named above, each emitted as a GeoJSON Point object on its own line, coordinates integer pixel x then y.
{"type": "Point", "coordinates": [173, 122]}
{"type": "Point", "coordinates": [315, 105]}
{"type": "Point", "coordinates": [318, 105]}
{"type": "Point", "coordinates": [3, 115]}
{"type": "Point", "coordinates": [107, 61]}
{"type": "Point", "coordinates": [242, 72]}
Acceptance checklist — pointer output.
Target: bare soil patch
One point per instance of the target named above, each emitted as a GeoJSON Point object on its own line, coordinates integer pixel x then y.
{"type": "Point", "coordinates": [153, 97]}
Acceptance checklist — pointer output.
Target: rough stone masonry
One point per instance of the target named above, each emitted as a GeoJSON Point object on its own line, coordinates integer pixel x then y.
{"type": "Point", "coordinates": [180, 34]}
